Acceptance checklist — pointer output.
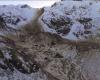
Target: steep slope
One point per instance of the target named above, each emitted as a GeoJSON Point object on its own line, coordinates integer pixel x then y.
{"type": "Point", "coordinates": [72, 20]}
{"type": "Point", "coordinates": [44, 46]}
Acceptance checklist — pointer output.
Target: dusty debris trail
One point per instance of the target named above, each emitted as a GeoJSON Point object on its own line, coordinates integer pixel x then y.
{"type": "Point", "coordinates": [55, 56]}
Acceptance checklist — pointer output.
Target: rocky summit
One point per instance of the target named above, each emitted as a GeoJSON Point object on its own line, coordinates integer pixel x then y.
{"type": "Point", "coordinates": [60, 42]}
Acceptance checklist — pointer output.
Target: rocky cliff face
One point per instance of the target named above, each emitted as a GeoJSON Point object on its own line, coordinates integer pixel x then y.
{"type": "Point", "coordinates": [60, 42]}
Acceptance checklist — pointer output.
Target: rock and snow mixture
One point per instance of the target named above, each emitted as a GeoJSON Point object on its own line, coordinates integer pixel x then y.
{"type": "Point", "coordinates": [13, 17]}
{"type": "Point", "coordinates": [44, 56]}
{"type": "Point", "coordinates": [73, 20]}
{"type": "Point", "coordinates": [12, 65]}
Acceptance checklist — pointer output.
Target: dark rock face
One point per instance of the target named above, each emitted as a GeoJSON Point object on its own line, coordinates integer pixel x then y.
{"type": "Point", "coordinates": [4, 26]}
{"type": "Point", "coordinates": [13, 59]}
{"type": "Point", "coordinates": [2, 23]}
{"type": "Point", "coordinates": [24, 6]}
{"type": "Point", "coordinates": [61, 24]}
{"type": "Point", "coordinates": [10, 19]}
{"type": "Point", "coordinates": [84, 20]}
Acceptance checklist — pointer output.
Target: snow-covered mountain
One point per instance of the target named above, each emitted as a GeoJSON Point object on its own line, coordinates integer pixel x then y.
{"type": "Point", "coordinates": [44, 46]}
{"type": "Point", "coordinates": [73, 20]}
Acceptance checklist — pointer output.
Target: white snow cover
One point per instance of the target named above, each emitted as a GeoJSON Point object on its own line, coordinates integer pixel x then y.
{"type": "Point", "coordinates": [15, 16]}
{"type": "Point", "coordinates": [74, 10]}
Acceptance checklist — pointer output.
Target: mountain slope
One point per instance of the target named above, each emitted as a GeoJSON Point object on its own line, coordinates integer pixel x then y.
{"type": "Point", "coordinates": [52, 43]}
{"type": "Point", "coordinates": [72, 20]}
